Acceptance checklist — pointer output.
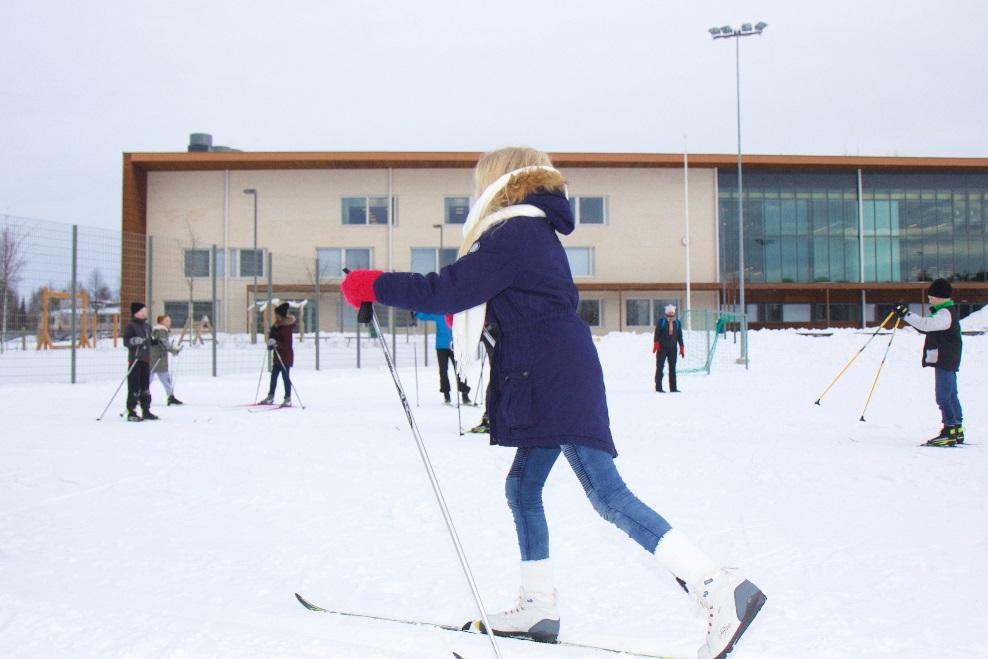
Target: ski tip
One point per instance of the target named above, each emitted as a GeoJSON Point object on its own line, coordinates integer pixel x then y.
{"type": "Point", "coordinates": [307, 604]}
{"type": "Point", "coordinates": [458, 655]}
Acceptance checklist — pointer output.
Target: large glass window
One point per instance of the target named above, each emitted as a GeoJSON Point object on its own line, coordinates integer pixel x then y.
{"type": "Point", "coordinates": [197, 262]}
{"type": "Point", "coordinates": [580, 261]}
{"type": "Point", "coordinates": [245, 262]}
{"type": "Point", "coordinates": [332, 260]}
{"type": "Point", "coordinates": [589, 210]}
{"type": "Point", "coordinates": [642, 312]}
{"type": "Point", "coordinates": [365, 210]}
{"type": "Point", "coordinates": [179, 312]}
{"type": "Point", "coordinates": [430, 259]}
{"type": "Point", "coordinates": [455, 210]}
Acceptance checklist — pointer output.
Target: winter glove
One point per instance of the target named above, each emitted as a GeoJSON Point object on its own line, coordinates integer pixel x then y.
{"type": "Point", "coordinates": [655, 347]}
{"type": "Point", "coordinates": [682, 351]}
{"type": "Point", "coordinates": [901, 310]}
{"type": "Point", "coordinates": [358, 287]}
{"type": "Point", "coordinates": [272, 343]}
{"type": "Point", "coordinates": [137, 340]}
{"type": "Point", "coordinates": [449, 320]}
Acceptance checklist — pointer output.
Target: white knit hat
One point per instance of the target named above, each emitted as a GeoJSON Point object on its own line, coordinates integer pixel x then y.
{"type": "Point", "coordinates": [670, 308]}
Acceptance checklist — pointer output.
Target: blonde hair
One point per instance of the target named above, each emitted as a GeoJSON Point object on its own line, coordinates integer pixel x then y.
{"type": "Point", "coordinates": [495, 164]}
{"type": "Point", "coordinates": [492, 166]}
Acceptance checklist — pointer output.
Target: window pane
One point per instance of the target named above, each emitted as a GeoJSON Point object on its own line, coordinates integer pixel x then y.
{"type": "Point", "coordinates": [251, 263]}
{"type": "Point", "coordinates": [358, 258]}
{"type": "Point", "coordinates": [589, 311]}
{"type": "Point", "coordinates": [637, 312]}
{"type": "Point", "coordinates": [579, 261]}
{"type": "Point", "coordinates": [447, 255]}
{"type": "Point", "coordinates": [197, 262]}
{"type": "Point", "coordinates": [329, 259]}
{"type": "Point", "coordinates": [354, 210]}
{"type": "Point", "coordinates": [456, 209]}
{"type": "Point", "coordinates": [591, 210]}
{"type": "Point", "coordinates": [378, 210]}
{"type": "Point", "coordinates": [178, 310]}
{"type": "Point", "coordinates": [423, 260]}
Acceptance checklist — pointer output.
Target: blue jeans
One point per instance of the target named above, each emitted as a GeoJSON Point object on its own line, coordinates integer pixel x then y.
{"type": "Point", "coordinates": [610, 497]}
{"type": "Point", "coordinates": [946, 392]}
{"type": "Point", "coordinates": [285, 377]}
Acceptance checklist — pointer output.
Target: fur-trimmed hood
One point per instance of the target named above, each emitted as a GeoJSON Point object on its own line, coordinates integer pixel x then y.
{"type": "Point", "coordinates": [159, 327]}
{"type": "Point", "coordinates": [282, 322]}
{"type": "Point", "coordinates": [543, 188]}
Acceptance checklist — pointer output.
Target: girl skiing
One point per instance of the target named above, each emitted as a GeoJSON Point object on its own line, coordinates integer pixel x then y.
{"type": "Point", "coordinates": [546, 395]}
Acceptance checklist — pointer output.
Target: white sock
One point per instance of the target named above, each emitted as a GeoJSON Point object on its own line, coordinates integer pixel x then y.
{"type": "Point", "coordinates": [536, 576]}
{"type": "Point", "coordinates": [681, 557]}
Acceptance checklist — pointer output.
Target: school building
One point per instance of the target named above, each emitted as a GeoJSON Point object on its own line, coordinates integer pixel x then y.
{"type": "Point", "coordinates": [828, 240]}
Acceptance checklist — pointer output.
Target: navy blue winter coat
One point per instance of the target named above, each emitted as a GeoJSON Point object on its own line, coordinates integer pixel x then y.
{"type": "Point", "coordinates": [547, 387]}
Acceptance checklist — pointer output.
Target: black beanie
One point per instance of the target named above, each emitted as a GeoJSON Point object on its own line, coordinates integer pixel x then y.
{"type": "Point", "coordinates": [282, 310]}
{"type": "Point", "coordinates": [940, 288]}
{"type": "Point", "coordinates": [135, 307]}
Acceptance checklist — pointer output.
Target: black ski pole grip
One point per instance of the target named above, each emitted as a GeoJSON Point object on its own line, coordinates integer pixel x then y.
{"type": "Point", "coordinates": [366, 312]}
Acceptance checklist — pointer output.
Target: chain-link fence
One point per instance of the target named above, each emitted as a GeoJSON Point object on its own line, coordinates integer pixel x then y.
{"type": "Point", "coordinates": [67, 296]}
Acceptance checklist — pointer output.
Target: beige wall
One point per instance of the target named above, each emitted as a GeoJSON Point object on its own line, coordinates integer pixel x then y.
{"type": "Point", "coordinates": [300, 210]}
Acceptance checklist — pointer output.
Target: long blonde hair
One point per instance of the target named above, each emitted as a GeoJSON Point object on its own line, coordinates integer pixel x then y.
{"type": "Point", "coordinates": [495, 164]}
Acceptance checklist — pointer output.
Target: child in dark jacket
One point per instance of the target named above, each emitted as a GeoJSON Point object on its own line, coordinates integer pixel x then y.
{"type": "Point", "coordinates": [942, 352]}
{"type": "Point", "coordinates": [546, 396]}
{"type": "Point", "coordinates": [280, 343]}
{"type": "Point", "coordinates": [668, 336]}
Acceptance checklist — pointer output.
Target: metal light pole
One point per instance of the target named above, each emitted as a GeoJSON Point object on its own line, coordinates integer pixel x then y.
{"type": "Point", "coordinates": [253, 337]}
{"type": "Point", "coordinates": [727, 32]}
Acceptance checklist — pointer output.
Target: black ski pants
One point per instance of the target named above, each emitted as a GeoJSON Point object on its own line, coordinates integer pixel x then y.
{"type": "Point", "coordinates": [445, 356]}
{"type": "Point", "coordinates": [139, 386]}
{"type": "Point", "coordinates": [285, 378]}
{"type": "Point", "coordinates": [660, 358]}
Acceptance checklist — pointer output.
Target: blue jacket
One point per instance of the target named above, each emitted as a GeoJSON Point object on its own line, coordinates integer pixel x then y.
{"type": "Point", "coordinates": [443, 333]}
{"type": "Point", "coordinates": [547, 386]}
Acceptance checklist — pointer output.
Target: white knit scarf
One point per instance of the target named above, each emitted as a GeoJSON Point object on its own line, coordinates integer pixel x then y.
{"type": "Point", "coordinates": [469, 325]}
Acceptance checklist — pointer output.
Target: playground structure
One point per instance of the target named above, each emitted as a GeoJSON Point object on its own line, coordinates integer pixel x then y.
{"type": "Point", "coordinates": [54, 322]}
{"type": "Point", "coordinates": [195, 330]}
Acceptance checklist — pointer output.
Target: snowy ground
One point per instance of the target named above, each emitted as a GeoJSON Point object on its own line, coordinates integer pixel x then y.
{"type": "Point", "coordinates": [187, 537]}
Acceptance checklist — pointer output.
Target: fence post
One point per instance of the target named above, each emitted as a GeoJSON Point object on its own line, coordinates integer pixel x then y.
{"type": "Point", "coordinates": [425, 344]}
{"type": "Point", "coordinates": [317, 312]}
{"type": "Point", "coordinates": [212, 270]}
{"type": "Point", "coordinates": [706, 326]}
{"type": "Point", "coordinates": [75, 286]}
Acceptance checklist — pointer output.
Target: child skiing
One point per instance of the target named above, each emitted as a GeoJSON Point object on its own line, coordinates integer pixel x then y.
{"type": "Point", "coordinates": [444, 356]}
{"type": "Point", "coordinates": [161, 347]}
{"type": "Point", "coordinates": [137, 339]}
{"type": "Point", "coordinates": [668, 334]}
{"type": "Point", "coordinates": [546, 396]}
{"type": "Point", "coordinates": [942, 352]}
{"type": "Point", "coordinates": [280, 344]}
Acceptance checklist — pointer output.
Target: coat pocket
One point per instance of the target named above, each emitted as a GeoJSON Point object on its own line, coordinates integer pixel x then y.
{"type": "Point", "coordinates": [518, 399]}
{"type": "Point", "coordinates": [932, 356]}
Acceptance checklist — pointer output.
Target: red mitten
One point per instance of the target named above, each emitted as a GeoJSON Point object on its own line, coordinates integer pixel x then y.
{"type": "Point", "coordinates": [655, 346]}
{"type": "Point", "coordinates": [359, 286]}
{"type": "Point", "coordinates": [682, 351]}
{"type": "Point", "coordinates": [449, 320]}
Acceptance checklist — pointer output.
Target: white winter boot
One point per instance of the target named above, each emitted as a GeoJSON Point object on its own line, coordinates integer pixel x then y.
{"type": "Point", "coordinates": [730, 602]}
{"type": "Point", "coordinates": [534, 616]}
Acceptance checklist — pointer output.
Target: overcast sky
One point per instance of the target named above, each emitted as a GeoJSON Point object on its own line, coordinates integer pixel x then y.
{"type": "Point", "coordinates": [85, 81]}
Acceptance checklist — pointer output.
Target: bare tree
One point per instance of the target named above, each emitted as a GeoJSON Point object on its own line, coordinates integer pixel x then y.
{"type": "Point", "coordinates": [12, 261]}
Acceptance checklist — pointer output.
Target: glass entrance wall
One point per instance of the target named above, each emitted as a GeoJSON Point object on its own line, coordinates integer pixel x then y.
{"type": "Point", "coordinates": [802, 226]}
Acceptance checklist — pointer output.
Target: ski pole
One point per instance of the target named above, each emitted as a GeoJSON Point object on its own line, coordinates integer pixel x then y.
{"type": "Point", "coordinates": [856, 355]}
{"type": "Point", "coordinates": [132, 365]}
{"type": "Point", "coordinates": [415, 359]}
{"type": "Point", "coordinates": [264, 360]}
{"type": "Point", "coordinates": [875, 382]}
{"type": "Point", "coordinates": [366, 315]}
{"type": "Point", "coordinates": [294, 388]}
